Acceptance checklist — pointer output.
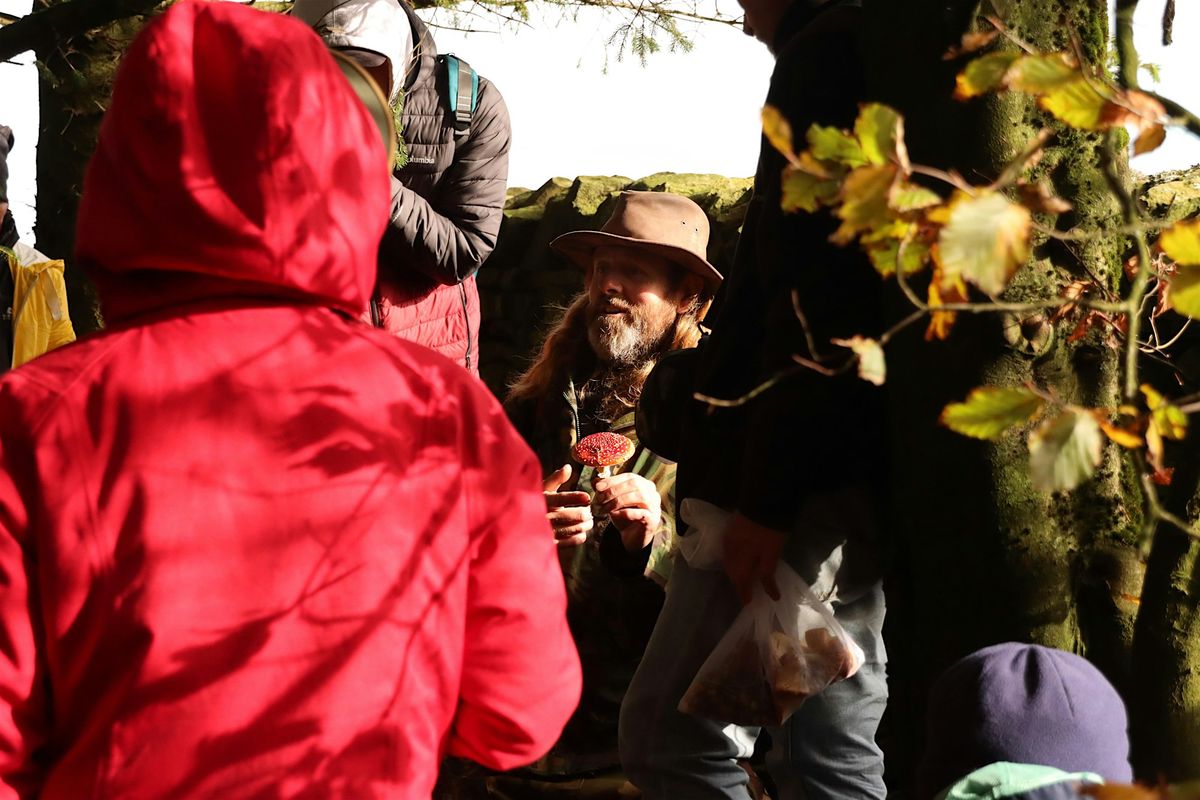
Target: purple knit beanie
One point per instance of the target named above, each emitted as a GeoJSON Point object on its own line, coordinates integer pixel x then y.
{"type": "Point", "coordinates": [1025, 704]}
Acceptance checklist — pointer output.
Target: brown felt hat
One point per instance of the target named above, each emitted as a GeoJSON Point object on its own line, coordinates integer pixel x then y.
{"type": "Point", "coordinates": [665, 224]}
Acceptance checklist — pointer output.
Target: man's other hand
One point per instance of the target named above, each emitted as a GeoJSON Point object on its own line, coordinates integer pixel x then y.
{"type": "Point", "coordinates": [634, 506]}
{"type": "Point", "coordinates": [570, 513]}
{"type": "Point", "coordinates": [751, 555]}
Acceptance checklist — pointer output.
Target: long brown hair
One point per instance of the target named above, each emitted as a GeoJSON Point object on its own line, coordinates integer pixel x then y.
{"type": "Point", "coordinates": [566, 352]}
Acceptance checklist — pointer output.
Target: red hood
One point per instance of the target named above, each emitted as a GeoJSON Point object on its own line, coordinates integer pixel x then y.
{"type": "Point", "coordinates": [236, 153]}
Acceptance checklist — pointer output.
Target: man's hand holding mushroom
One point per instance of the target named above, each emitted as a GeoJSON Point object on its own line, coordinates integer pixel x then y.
{"type": "Point", "coordinates": [634, 506]}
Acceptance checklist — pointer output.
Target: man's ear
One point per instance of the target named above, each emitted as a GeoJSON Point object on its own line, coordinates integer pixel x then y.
{"type": "Point", "coordinates": [689, 290]}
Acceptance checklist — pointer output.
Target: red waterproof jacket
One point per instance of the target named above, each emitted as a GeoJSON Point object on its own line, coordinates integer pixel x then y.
{"type": "Point", "coordinates": [250, 547]}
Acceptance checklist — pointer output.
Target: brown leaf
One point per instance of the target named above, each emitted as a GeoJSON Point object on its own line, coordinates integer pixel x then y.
{"type": "Point", "coordinates": [1133, 109]}
{"type": "Point", "coordinates": [971, 42]}
{"type": "Point", "coordinates": [1071, 293]}
{"type": "Point", "coordinates": [941, 292]}
{"type": "Point", "coordinates": [1085, 324]}
{"type": "Point", "coordinates": [1163, 476]}
{"type": "Point", "coordinates": [1150, 139]}
{"type": "Point", "coordinates": [1038, 199]}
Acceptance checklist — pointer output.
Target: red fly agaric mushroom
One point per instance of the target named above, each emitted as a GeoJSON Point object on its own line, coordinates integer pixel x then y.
{"type": "Point", "coordinates": [605, 451]}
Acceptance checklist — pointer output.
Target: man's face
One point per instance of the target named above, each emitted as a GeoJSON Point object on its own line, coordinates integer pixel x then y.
{"type": "Point", "coordinates": [631, 304]}
{"type": "Point", "coordinates": [763, 17]}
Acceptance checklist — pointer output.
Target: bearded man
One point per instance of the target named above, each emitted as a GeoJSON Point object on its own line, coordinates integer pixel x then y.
{"type": "Point", "coordinates": [647, 285]}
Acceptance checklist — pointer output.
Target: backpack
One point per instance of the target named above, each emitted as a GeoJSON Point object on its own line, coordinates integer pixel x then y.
{"type": "Point", "coordinates": [462, 90]}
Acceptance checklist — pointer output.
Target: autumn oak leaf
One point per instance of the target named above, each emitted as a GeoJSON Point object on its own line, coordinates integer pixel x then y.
{"type": "Point", "coordinates": [983, 75]}
{"type": "Point", "coordinates": [1064, 451]}
{"type": "Point", "coordinates": [778, 131]}
{"type": "Point", "coordinates": [831, 144]}
{"type": "Point", "coordinates": [803, 191]}
{"type": "Point", "coordinates": [1040, 74]}
{"type": "Point", "coordinates": [1167, 419]}
{"type": "Point", "coordinates": [1150, 139]}
{"type": "Point", "coordinates": [864, 201]}
{"type": "Point", "coordinates": [880, 131]}
{"type": "Point", "coordinates": [989, 411]}
{"type": "Point", "coordinates": [1181, 242]}
{"type": "Point", "coordinates": [905, 197]}
{"type": "Point", "coordinates": [1125, 437]}
{"type": "Point", "coordinates": [1077, 104]}
{"type": "Point", "coordinates": [985, 240]}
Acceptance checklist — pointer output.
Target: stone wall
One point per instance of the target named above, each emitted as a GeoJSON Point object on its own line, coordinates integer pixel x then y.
{"type": "Point", "coordinates": [524, 282]}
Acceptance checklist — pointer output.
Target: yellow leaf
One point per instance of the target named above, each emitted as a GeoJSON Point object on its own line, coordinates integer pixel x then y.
{"type": "Point", "coordinates": [1122, 436]}
{"type": "Point", "coordinates": [805, 192]}
{"type": "Point", "coordinates": [1151, 139]}
{"type": "Point", "coordinates": [1077, 104]}
{"type": "Point", "coordinates": [989, 411]}
{"type": "Point", "coordinates": [1181, 242]}
{"type": "Point", "coordinates": [883, 255]}
{"type": "Point", "coordinates": [985, 241]}
{"type": "Point", "coordinates": [1185, 291]}
{"type": "Point", "coordinates": [864, 201]}
{"type": "Point", "coordinates": [880, 131]}
{"type": "Point", "coordinates": [905, 196]}
{"type": "Point", "coordinates": [1166, 418]}
{"type": "Point", "coordinates": [777, 130]}
{"type": "Point", "coordinates": [871, 364]}
{"type": "Point", "coordinates": [983, 75]}
{"type": "Point", "coordinates": [1042, 73]}
{"type": "Point", "coordinates": [831, 144]}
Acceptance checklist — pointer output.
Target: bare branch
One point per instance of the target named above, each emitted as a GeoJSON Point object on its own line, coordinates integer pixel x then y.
{"type": "Point", "coordinates": [43, 28]}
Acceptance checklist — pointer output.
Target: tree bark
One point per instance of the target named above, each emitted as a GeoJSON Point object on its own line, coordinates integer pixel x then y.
{"type": "Point", "coordinates": [983, 557]}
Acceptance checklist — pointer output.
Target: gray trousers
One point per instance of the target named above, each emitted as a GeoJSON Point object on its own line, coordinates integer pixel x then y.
{"type": "Point", "coordinates": [825, 751]}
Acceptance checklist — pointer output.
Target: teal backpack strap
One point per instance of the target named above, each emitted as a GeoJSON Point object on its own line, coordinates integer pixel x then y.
{"type": "Point", "coordinates": [462, 90]}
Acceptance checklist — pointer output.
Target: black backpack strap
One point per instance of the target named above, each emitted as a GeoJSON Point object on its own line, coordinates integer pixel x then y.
{"type": "Point", "coordinates": [462, 90]}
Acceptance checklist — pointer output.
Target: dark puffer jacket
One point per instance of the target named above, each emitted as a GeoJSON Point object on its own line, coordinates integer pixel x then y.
{"type": "Point", "coordinates": [446, 209]}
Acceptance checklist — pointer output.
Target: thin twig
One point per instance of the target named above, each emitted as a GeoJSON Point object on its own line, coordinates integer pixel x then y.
{"type": "Point", "coordinates": [1017, 166]}
{"type": "Point", "coordinates": [952, 178]}
{"type": "Point", "coordinates": [1127, 55]}
{"type": "Point", "coordinates": [895, 330]}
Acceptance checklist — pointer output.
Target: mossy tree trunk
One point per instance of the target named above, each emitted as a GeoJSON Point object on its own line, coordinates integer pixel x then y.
{"type": "Point", "coordinates": [983, 557]}
{"type": "Point", "coordinates": [76, 76]}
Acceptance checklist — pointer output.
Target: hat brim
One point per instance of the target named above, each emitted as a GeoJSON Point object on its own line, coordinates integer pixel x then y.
{"type": "Point", "coordinates": [578, 247]}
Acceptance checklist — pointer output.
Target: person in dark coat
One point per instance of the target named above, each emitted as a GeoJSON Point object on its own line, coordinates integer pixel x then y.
{"type": "Point", "coordinates": [447, 194]}
{"type": "Point", "coordinates": [796, 465]}
{"type": "Point", "coordinates": [1022, 722]}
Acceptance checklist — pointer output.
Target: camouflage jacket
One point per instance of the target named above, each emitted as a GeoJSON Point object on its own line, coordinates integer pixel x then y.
{"type": "Point", "coordinates": [612, 606]}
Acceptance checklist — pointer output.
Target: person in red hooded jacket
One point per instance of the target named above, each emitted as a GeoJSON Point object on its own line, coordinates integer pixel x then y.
{"type": "Point", "coordinates": [251, 547]}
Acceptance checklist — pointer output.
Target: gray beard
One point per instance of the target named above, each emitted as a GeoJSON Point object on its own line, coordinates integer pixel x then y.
{"type": "Point", "coordinates": [623, 341]}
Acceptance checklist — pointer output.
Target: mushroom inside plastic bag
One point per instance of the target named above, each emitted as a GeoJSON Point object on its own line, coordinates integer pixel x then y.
{"type": "Point", "coordinates": [776, 654]}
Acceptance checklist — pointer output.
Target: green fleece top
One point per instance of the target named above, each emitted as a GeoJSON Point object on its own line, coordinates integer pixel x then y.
{"type": "Point", "coordinates": [1004, 779]}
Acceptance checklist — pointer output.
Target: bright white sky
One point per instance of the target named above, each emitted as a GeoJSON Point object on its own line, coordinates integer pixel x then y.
{"type": "Point", "coordinates": [577, 110]}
